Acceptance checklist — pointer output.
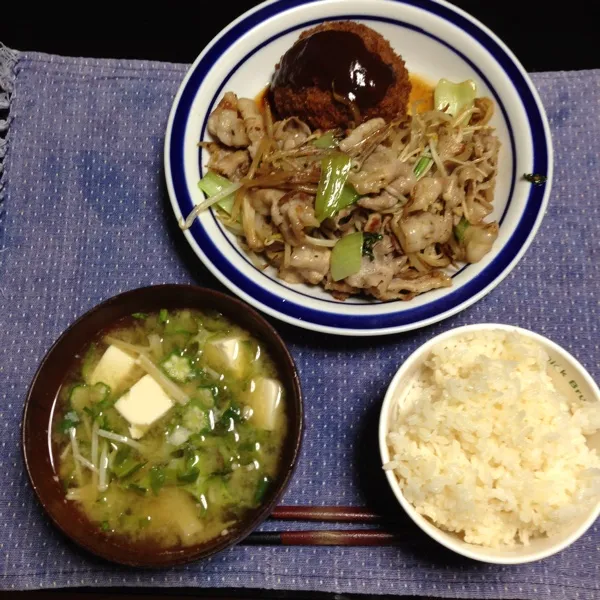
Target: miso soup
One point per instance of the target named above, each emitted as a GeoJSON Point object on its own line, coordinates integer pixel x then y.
{"type": "Point", "coordinates": [169, 427]}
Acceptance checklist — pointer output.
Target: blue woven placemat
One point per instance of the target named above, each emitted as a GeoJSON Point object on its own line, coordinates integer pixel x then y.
{"type": "Point", "coordinates": [85, 216]}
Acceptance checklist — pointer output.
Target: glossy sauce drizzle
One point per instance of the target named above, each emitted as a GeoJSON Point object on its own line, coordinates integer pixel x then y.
{"type": "Point", "coordinates": [336, 61]}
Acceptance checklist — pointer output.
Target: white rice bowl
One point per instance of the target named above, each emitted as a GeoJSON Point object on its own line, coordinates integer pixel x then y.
{"type": "Point", "coordinates": [483, 444]}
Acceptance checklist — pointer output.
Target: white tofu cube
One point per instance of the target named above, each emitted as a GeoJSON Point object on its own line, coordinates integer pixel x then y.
{"type": "Point", "coordinates": [226, 355]}
{"type": "Point", "coordinates": [114, 368]}
{"type": "Point", "coordinates": [143, 404]}
{"type": "Point", "coordinates": [264, 398]}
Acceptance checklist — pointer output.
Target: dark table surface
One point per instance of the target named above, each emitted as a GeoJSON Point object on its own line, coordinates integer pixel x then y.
{"type": "Point", "coordinates": [542, 37]}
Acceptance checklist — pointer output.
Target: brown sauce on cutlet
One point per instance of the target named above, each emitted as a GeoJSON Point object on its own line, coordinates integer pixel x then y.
{"type": "Point", "coordinates": [336, 61]}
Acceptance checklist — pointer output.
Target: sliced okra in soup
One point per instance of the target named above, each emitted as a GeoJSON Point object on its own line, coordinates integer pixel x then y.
{"type": "Point", "coordinates": [170, 427]}
{"type": "Point", "coordinates": [205, 396]}
{"type": "Point", "coordinates": [178, 367]}
{"type": "Point", "coordinates": [90, 398]}
{"type": "Point", "coordinates": [181, 322]}
{"type": "Point", "coordinates": [179, 327]}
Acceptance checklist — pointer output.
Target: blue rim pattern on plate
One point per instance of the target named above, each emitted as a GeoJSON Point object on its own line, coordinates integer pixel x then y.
{"type": "Point", "coordinates": [407, 318]}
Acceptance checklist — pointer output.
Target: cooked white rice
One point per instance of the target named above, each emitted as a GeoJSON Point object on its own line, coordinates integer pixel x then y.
{"type": "Point", "coordinates": [485, 446]}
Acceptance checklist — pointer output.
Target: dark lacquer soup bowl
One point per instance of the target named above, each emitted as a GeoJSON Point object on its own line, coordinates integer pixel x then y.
{"type": "Point", "coordinates": [42, 458]}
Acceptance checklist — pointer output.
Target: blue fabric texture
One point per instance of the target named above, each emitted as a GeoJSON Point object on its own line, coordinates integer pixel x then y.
{"type": "Point", "coordinates": [86, 217]}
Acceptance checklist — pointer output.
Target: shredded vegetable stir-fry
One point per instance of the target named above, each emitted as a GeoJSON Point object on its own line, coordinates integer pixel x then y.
{"type": "Point", "coordinates": [308, 203]}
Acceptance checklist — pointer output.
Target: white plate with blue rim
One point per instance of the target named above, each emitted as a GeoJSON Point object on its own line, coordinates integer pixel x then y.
{"type": "Point", "coordinates": [436, 40]}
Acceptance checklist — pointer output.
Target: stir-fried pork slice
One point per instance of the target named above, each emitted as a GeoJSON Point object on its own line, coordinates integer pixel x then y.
{"type": "Point", "coordinates": [290, 275]}
{"type": "Point", "coordinates": [312, 263]}
{"type": "Point", "coordinates": [253, 240]}
{"type": "Point", "coordinates": [449, 144]}
{"type": "Point", "coordinates": [485, 144]}
{"type": "Point", "coordinates": [384, 251]}
{"type": "Point", "coordinates": [225, 124]}
{"type": "Point", "coordinates": [404, 182]}
{"type": "Point", "coordinates": [415, 284]}
{"type": "Point", "coordinates": [382, 201]}
{"type": "Point", "coordinates": [262, 199]}
{"type": "Point", "coordinates": [292, 214]}
{"type": "Point", "coordinates": [233, 164]}
{"type": "Point", "coordinates": [253, 122]}
{"type": "Point", "coordinates": [373, 273]}
{"type": "Point", "coordinates": [290, 133]}
{"type": "Point", "coordinates": [265, 231]}
{"type": "Point", "coordinates": [476, 209]}
{"type": "Point", "coordinates": [374, 223]}
{"type": "Point", "coordinates": [340, 290]}
{"type": "Point", "coordinates": [258, 228]}
{"type": "Point", "coordinates": [378, 270]}
{"type": "Point", "coordinates": [342, 221]}
{"type": "Point", "coordinates": [378, 171]}
{"type": "Point", "coordinates": [418, 231]}
{"type": "Point", "coordinates": [466, 174]}
{"type": "Point", "coordinates": [360, 133]}
{"type": "Point", "coordinates": [424, 194]}
{"type": "Point", "coordinates": [478, 241]}
{"type": "Point", "coordinates": [452, 193]}
{"type": "Point", "coordinates": [485, 110]}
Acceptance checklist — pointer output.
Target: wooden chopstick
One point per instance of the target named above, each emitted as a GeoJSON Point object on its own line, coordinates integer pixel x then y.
{"type": "Point", "coordinates": [337, 514]}
{"type": "Point", "coordinates": [323, 537]}
{"type": "Point", "coordinates": [355, 537]}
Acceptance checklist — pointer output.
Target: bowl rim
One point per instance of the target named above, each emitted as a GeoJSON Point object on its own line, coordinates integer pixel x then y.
{"type": "Point", "coordinates": [298, 312]}
{"type": "Point", "coordinates": [471, 550]}
{"type": "Point", "coordinates": [259, 515]}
